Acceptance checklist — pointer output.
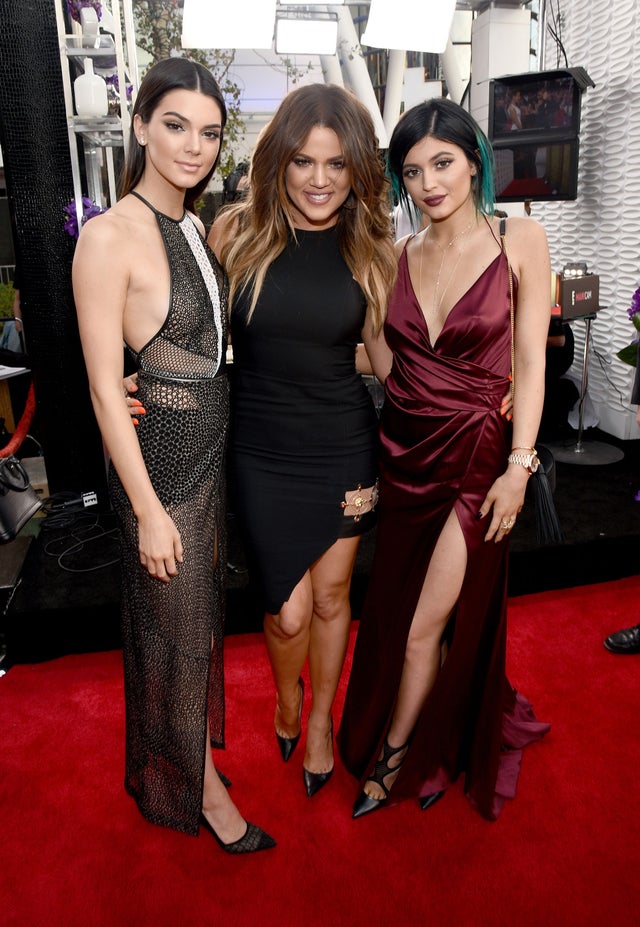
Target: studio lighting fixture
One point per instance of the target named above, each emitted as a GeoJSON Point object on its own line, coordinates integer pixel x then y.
{"type": "Point", "coordinates": [216, 24]}
{"type": "Point", "coordinates": [300, 33]}
{"type": "Point", "coordinates": [408, 25]}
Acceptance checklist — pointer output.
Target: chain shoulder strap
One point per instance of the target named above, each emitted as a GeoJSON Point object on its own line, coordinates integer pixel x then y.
{"type": "Point", "coordinates": [512, 315]}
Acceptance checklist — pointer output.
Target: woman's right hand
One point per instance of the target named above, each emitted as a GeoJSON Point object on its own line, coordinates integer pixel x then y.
{"type": "Point", "coordinates": [159, 545]}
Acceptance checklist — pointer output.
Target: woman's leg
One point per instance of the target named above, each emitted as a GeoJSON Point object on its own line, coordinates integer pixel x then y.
{"type": "Point", "coordinates": [287, 638]}
{"type": "Point", "coordinates": [329, 637]}
{"type": "Point", "coordinates": [315, 621]}
{"type": "Point", "coordinates": [440, 592]}
{"type": "Point", "coordinates": [217, 806]}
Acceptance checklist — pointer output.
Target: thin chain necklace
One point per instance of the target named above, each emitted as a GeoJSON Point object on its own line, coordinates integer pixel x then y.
{"type": "Point", "coordinates": [437, 303]}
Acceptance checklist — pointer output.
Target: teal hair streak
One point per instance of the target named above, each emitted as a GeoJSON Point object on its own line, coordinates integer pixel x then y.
{"type": "Point", "coordinates": [485, 199]}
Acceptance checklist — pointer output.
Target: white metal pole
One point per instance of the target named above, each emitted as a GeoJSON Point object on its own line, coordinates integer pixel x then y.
{"type": "Point", "coordinates": [451, 71]}
{"type": "Point", "coordinates": [393, 89]}
{"type": "Point", "coordinates": [331, 70]}
{"type": "Point", "coordinates": [355, 68]}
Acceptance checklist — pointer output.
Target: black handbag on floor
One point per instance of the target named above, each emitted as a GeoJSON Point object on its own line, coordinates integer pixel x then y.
{"type": "Point", "coordinates": [18, 499]}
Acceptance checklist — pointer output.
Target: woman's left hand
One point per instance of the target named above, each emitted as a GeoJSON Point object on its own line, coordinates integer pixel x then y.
{"type": "Point", "coordinates": [134, 405]}
{"type": "Point", "coordinates": [504, 501]}
{"type": "Point", "coordinates": [506, 406]}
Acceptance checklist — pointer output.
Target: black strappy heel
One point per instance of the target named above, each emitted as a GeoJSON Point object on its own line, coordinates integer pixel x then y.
{"type": "Point", "coordinates": [365, 803]}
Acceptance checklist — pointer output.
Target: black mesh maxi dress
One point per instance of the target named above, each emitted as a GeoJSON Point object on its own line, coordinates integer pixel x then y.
{"type": "Point", "coordinates": [172, 632]}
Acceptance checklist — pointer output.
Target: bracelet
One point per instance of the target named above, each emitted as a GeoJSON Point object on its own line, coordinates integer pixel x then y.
{"type": "Point", "coordinates": [532, 449]}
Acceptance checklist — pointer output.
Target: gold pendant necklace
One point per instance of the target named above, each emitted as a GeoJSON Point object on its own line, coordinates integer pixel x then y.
{"type": "Point", "coordinates": [437, 303]}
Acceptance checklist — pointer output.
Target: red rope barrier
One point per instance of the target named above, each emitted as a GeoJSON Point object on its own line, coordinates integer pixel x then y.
{"type": "Point", "coordinates": [23, 425]}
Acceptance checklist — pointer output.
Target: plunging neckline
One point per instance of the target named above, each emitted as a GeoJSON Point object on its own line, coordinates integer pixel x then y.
{"type": "Point", "coordinates": [454, 306]}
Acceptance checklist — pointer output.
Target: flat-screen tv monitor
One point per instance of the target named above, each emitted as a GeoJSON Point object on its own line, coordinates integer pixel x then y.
{"type": "Point", "coordinates": [538, 103]}
{"type": "Point", "coordinates": [536, 171]}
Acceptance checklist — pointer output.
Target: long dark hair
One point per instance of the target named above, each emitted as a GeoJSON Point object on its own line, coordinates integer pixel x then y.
{"type": "Point", "coordinates": [164, 76]}
{"type": "Point", "coordinates": [445, 120]}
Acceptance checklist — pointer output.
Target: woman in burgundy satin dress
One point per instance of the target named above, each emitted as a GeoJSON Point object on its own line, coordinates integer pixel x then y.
{"type": "Point", "coordinates": [428, 698]}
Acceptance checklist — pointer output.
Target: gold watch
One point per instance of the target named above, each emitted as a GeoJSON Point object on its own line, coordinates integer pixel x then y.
{"type": "Point", "coordinates": [530, 462]}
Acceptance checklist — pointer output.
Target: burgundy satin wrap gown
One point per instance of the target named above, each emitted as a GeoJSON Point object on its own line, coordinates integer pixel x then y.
{"type": "Point", "coordinates": [443, 443]}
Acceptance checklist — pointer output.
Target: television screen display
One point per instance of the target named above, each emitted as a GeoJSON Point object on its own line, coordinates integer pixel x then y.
{"type": "Point", "coordinates": [536, 171]}
{"type": "Point", "coordinates": [543, 103]}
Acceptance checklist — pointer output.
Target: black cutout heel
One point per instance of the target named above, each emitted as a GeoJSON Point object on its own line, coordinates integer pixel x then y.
{"type": "Point", "coordinates": [364, 803]}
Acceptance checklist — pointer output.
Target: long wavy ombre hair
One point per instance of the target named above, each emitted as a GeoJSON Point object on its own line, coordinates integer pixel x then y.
{"type": "Point", "coordinates": [261, 225]}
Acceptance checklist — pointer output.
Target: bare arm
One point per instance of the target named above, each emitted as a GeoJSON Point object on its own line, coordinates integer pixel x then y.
{"type": "Point", "coordinates": [221, 232]}
{"type": "Point", "coordinates": [529, 256]}
{"type": "Point", "coordinates": [100, 286]}
{"type": "Point", "coordinates": [363, 364]}
{"type": "Point", "coordinates": [378, 351]}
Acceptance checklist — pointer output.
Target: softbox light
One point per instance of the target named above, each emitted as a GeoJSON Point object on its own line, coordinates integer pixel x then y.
{"type": "Point", "coordinates": [224, 24]}
{"type": "Point", "coordinates": [409, 25]}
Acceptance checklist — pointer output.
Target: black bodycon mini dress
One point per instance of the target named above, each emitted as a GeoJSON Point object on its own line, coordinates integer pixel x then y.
{"type": "Point", "coordinates": [303, 425]}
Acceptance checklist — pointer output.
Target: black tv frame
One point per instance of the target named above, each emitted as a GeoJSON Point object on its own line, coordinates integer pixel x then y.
{"type": "Point", "coordinates": [523, 141]}
{"type": "Point", "coordinates": [548, 188]}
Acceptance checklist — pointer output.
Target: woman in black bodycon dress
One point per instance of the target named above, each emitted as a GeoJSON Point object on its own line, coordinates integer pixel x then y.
{"type": "Point", "coordinates": [143, 274]}
{"type": "Point", "coordinates": [310, 261]}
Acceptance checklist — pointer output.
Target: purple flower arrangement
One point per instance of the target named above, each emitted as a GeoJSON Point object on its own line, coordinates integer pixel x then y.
{"type": "Point", "coordinates": [112, 79]}
{"type": "Point", "coordinates": [629, 355]}
{"type": "Point", "coordinates": [74, 7]}
{"type": "Point", "coordinates": [89, 210]}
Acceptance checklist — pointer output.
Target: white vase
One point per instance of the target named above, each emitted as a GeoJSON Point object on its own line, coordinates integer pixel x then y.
{"type": "Point", "coordinates": [90, 92]}
{"type": "Point", "coordinates": [89, 21]}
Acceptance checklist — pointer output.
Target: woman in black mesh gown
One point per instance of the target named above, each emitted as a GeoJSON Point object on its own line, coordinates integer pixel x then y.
{"type": "Point", "coordinates": [143, 274]}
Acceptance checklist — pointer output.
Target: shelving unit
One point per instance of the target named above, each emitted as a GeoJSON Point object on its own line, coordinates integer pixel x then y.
{"type": "Point", "coordinates": [99, 135]}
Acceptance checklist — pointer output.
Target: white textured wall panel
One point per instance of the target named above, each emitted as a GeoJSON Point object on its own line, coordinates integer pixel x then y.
{"type": "Point", "coordinates": [603, 226]}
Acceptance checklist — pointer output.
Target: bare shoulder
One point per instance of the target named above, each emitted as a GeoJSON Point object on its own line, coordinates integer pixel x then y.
{"type": "Point", "coordinates": [401, 244]}
{"type": "Point", "coordinates": [526, 231]}
{"type": "Point", "coordinates": [114, 230]}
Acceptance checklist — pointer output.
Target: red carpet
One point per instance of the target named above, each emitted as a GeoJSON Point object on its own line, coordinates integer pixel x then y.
{"type": "Point", "coordinates": [75, 852]}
